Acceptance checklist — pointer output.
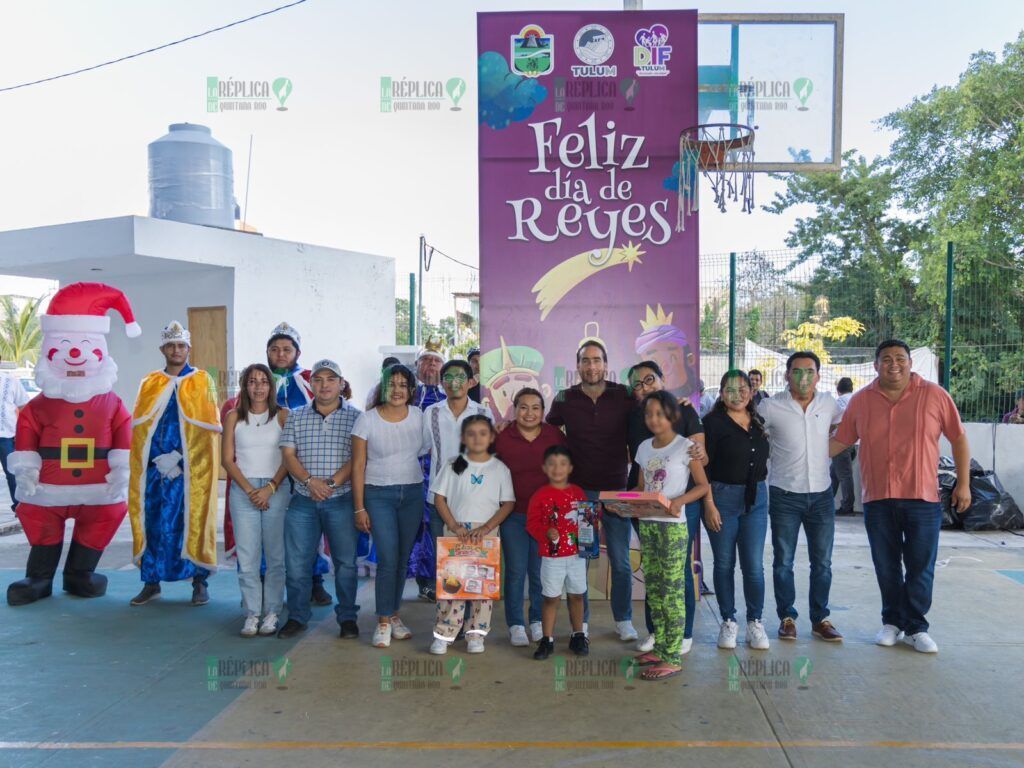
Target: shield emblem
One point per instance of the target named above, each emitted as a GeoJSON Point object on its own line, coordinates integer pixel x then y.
{"type": "Point", "coordinates": [533, 52]}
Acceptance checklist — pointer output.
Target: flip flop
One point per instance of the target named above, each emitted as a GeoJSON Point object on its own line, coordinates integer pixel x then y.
{"type": "Point", "coordinates": [646, 659]}
{"type": "Point", "coordinates": [653, 674]}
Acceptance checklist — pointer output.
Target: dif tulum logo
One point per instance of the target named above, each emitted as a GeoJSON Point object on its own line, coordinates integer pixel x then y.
{"type": "Point", "coordinates": [594, 45]}
{"type": "Point", "coordinates": [652, 51]}
{"type": "Point", "coordinates": [233, 95]}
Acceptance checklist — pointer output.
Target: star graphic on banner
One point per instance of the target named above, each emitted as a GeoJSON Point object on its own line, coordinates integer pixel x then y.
{"type": "Point", "coordinates": [631, 255]}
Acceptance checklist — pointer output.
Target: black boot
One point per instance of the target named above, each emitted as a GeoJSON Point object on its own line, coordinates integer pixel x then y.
{"type": "Point", "coordinates": [38, 581]}
{"type": "Point", "coordinates": [80, 577]}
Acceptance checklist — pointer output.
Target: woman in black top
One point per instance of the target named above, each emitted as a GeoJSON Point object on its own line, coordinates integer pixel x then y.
{"type": "Point", "coordinates": [736, 512]}
{"type": "Point", "coordinates": [644, 378]}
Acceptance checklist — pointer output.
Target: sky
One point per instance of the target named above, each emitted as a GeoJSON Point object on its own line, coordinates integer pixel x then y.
{"type": "Point", "coordinates": [333, 170]}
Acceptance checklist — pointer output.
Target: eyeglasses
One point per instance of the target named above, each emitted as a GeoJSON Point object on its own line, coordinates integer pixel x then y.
{"type": "Point", "coordinates": [646, 381]}
{"type": "Point", "coordinates": [452, 378]}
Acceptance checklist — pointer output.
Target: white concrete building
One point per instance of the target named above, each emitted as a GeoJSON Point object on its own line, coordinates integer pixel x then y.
{"type": "Point", "coordinates": [231, 287]}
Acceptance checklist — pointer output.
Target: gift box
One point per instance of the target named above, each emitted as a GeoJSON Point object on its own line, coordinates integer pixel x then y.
{"type": "Point", "coordinates": [468, 571]}
{"type": "Point", "coordinates": [635, 504]}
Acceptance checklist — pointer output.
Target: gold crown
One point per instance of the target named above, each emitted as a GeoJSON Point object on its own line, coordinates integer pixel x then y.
{"type": "Point", "coordinates": [656, 319]}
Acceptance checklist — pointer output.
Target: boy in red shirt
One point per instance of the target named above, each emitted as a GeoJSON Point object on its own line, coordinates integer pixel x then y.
{"type": "Point", "coordinates": [552, 520]}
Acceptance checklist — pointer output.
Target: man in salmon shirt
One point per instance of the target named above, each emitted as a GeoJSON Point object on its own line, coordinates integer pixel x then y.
{"type": "Point", "coordinates": [898, 419]}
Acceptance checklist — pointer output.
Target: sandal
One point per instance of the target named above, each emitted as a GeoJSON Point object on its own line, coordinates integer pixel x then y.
{"type": "Point", "coordinates": [646, 659]}
{"type": "Point", "coordinates": [660, 672]}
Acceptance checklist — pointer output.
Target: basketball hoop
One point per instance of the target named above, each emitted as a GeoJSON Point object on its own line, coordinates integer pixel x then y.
{"type": "Point", "coordinates": [723, 153]}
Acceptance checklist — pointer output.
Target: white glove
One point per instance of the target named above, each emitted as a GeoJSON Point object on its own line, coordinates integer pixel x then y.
{"type": "Point", "coordinates": [167, 465]}
{"type": "Point", "coordinates": [27, 482]}
{"type": "Point", "coordinates": [118, 477]}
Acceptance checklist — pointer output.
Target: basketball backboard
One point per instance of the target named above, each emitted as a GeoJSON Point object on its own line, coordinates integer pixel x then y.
{"type": "Point", "coordinates": [782, 75]}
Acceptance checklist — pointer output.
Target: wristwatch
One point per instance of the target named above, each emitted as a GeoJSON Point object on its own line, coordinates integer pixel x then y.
{"type": "Point", "coordinates": [305, 482]}
{"type": "Point", "coordinates": [330, 483]}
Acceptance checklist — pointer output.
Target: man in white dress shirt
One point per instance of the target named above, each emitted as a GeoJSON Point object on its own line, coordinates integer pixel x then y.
{"type": "Point", "coordinates": [799, 422]}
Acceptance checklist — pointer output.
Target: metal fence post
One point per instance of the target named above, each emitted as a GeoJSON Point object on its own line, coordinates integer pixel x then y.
{"type": "Point", "coordinates": [947, 369]}
{"type": "Point", "coordinates": [412, 308]}
{"type": "Point", "coordinates": [732, 310]}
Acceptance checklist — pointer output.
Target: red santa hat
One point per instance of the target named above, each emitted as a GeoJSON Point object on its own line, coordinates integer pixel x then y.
{"type": "Point", "coordinates": [83, 307]}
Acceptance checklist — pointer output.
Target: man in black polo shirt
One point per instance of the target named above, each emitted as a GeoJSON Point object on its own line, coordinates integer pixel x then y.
{"type": "Point", "coordinates": [595, 415]}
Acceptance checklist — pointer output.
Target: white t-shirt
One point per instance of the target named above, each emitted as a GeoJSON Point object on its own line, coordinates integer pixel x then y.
{"type": "Point", "coordinates": [666, 471]}
{"type": "Point", "coordinates": [392, 448]}
{"type": "Point", "coordinates": [475, 495]}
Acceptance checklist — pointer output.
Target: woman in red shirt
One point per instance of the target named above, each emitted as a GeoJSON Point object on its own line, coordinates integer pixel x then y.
{"type": "Point", "coordinates": [521, 447]}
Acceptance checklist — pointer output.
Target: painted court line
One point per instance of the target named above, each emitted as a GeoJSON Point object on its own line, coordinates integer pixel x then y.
{"type": "Point", "coordinates": [504, 745]}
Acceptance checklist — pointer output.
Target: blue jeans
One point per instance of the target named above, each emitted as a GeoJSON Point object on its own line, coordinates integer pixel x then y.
{"type": "Point", "coordinates": [436, 523]}
{"type": "Point", "coordinates": [817, 513]}
{"type": "Point", "coordinates": [904, 532]}
{"type": "Point", "coordinates": [396, 513]}
{"type": "Point", "coordinates": [522, 561]}
{"type": "Point", "coordinates": [260, 534]}
{"type": "Point", "coordinates": [744, 531]}
{"type": "Point", "coordinates": [617, 531]}
{"type": "Point", "coordinates": [6, 449]}
{"type": "Point", "coordinates": [693, 510]}
{"type": "Point", "coordinates": [305, 522]}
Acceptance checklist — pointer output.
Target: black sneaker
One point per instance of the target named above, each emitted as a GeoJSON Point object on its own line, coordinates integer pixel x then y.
{"type": "Point", "coordinates": [321, 596]}
{"type": "Point", "coordinates": [545, 648]}
{"type": "Point", "coordinates": [149, 592]}
{"type": "Point", "coordinates": [579, 644]}
{"type": "Point", "coordinates": [427, 594]}
{"type": "Point", "coordinates": [349, 630]}
{"type": "Point", "coordinates": [290, 629]}
{"type": "Point", "coordinates": [200, 596]}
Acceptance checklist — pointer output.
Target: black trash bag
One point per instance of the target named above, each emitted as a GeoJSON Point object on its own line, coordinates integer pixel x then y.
{"type": "Point", "coordinates": [992, 508]}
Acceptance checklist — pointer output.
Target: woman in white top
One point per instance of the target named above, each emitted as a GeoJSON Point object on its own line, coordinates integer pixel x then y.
{"type": "Point", "coordinates": [387, 490]}
{"type": "Point", "coordinates": [253, 461]}
{"type": "Point", "coordinates": [665, 467]}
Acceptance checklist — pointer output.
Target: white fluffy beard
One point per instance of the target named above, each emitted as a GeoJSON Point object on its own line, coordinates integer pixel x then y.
{"type": "Point", "coordinates": [75, 390]}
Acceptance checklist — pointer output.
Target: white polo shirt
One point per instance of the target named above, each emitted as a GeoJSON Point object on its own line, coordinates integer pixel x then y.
{"type": "Point", "coordinates": [799, 441]}
{"type": "Point", "coordinates": [442, 435]}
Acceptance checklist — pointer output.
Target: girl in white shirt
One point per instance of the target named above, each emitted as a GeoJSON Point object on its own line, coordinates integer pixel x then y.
{"type": "Point", "coordinates": [666, 467]}
{"type": "Point", "coordinates": [473, 495]}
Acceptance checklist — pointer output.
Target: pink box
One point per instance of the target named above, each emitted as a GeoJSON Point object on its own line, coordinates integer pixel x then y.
{"type": "Point", "coordinates": [635, 504]}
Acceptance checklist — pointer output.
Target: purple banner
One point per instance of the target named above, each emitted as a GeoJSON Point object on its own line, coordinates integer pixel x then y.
{"type": "Point", "coordinates": [580, 115]}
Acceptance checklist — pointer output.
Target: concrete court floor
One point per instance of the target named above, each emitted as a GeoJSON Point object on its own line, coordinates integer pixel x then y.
{"type": "Point", "coordinates": [96, 683]}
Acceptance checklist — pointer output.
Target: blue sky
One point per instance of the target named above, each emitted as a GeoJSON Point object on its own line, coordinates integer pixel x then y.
{"type": "Point", "coordinates": [333, 169]}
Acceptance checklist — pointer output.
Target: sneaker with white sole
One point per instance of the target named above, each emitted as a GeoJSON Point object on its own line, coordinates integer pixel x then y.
{"type": "Point", "coordinates": [269, 624]}
{"type": "Point", "coordinates": [626, 631]}
{"type": "Point", "coordinates": [646, 645]}
{"type": "Point", "coordinates": [382, 636]}
{"type": "Point", "coordinates": [517, 635]}
{"type": "Point", "coordinates": [757, 638]}
{"type": "Point", "coordinates": [687, 645]}
{"type": "Point", "coordinates": [536, 631]}
{"type": "Point", "coordinates": [727, 635]}
{"type": "Point", "coordinates": [888, 635]}
{"type": "Point", "coordinates": [439, 647]}
{"type": "Point", "coordinates": [475, 643]}
{"type": "Point", "coordinates": [398, 629]}
{"type": "Point", "coordinates": [251, 626]}
{"type": "Point", "coordinates": [921, 642]}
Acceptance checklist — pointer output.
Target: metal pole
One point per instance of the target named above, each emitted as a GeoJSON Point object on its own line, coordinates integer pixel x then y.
{"type": "Point", "coordinates": [947, 369]}
{"type": "Point", "coordinates": [632, 5]}
{"type": "Point", "coordinates": [732, 310]}
{"type": "Point", "coordinates": [419, 303]}
{"type": "Point", "coordinates": [412, 303]}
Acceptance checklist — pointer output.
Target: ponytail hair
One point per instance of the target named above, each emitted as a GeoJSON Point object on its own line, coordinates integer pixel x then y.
{"type": "Point", "coordinates": [460, 463]}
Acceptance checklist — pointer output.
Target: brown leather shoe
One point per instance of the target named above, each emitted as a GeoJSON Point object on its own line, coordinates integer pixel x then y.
{"type": "Point", "coordinates": [825, 631]}
{"type": "Point", "coordinates": [787, 629]}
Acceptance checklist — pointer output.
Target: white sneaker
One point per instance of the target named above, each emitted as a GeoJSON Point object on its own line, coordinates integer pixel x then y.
{"type": "Point", "coordinates": [398, 629]}
{"type": "Point", "coordinates": [757, 638]}
{"type": "Point", "coordinates": [921, 643]}
{"type": "Point", "coordinates": [626, 631]}
{"type": "Point", "coordinates": [517, 633]}
{"type": "Point", "coordinates": [382, 636]}
{"type": "Point", "coordinates": [646, 645]}
{"type": "Point", "coordinates": [727, 635]}
{"type": "Point", "coordinates": [687, 645]}
{"type": "Point", "coordinates": [269, 624]}
{"type": "Point", "coordinates": [251, 626]}
{"type": "Point", "coordinates": [475, 643]}
{"type": "Point", "coordinates": [439, 647]}
{"type": "Point", "coordinates": [536, 631]}
{"type": "Point", "coordinates": [888, 635]}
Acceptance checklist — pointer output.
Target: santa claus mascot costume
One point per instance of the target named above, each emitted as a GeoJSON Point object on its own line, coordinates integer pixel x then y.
{"type": "Point", "coordinates": [71, 446]}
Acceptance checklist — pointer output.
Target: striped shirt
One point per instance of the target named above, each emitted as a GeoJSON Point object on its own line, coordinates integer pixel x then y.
{"type": "Point", "coordinates": [323, 444]}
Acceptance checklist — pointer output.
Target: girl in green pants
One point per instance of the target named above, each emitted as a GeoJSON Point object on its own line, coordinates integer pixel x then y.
{"type": "Point", "coordinates": [666, 467]}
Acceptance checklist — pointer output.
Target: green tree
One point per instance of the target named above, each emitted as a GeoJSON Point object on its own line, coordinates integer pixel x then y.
{"type": "Point", "coordinates": [20, 335]}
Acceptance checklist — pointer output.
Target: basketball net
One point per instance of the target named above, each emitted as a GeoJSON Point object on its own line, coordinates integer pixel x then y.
{"type": "Point", "coordinates": [723, 153]}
